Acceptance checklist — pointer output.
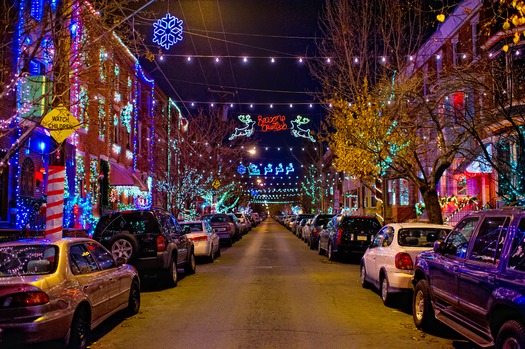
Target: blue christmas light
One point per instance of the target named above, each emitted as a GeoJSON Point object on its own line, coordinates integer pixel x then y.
{"type": "Point", "coordinates": [167, 31]}
{"type": "Point", "coordinates": [241, 169]}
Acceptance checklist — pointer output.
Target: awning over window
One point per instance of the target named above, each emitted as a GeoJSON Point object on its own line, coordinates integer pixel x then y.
{"type": "Point", "coordinates": [121, 176]}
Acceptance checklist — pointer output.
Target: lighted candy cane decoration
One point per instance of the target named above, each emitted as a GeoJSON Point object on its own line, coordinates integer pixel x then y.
{"type": "Point", "coordinates": [55, 202]}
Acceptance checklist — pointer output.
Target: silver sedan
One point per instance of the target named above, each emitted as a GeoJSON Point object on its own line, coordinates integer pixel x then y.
{"type": "Point", "coordinates": [61, 290]}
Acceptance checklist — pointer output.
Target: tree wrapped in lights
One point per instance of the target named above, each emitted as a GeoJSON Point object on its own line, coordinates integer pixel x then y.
{"type": "Point", "coordinates": [381, 121]}
{"type": "Point", "coordinates": [204, 154]}
{"type": "Point", "coordinates": [312, 190]}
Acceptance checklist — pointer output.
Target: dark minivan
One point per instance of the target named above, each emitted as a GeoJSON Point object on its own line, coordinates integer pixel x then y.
{"type": "Point", "coordinates": [474, 281]}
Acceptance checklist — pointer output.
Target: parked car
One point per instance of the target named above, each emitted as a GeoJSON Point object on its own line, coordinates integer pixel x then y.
{"type": "Point", "coordinates": [244, 224]}
{"type": "Point", "coordinates": [311, 232]}
{"type": "Point", "coordinates": [256, 218]}
{"type": "Point", "coordinates": [299, 222]}
{"type": "Point", "coordinates": [388, 263]}
{"type": "Point", "coordinates": [151, 240]}
{"type": "Point", "coordinates": [224, 226]}
{"type": "Point", "coordinates": [347, 235]}
{"type": "Point", "coordinates": [61, 290]}
{"type": "Point", "coordinates": [205, 240]}
{"type": "Point", "coordinates": [474, 281]}
{"type": "Point", "coordinates": [305, 227]}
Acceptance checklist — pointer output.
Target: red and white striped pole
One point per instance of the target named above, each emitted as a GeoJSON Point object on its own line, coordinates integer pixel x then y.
{"type": "Point", "coordinates": [55, 202]}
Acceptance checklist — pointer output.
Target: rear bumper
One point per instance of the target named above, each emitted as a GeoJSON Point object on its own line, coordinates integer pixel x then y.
{"type": "Point", "coordinates": [351, 249]}
{"type": "Point", "coordinates": [50, 326]}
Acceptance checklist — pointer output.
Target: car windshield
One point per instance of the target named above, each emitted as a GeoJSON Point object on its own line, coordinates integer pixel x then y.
{"type": "Point", "coordinates": [364, 225]}
{"type": "Point", "coordinates": [220, 219]}
{"type": "Point", "coordinates": [28, 260]}
{"type": "Point", "coordinates": [322, 220]}
{"type": "Point", "coordinates": [192, 226]}
{"type": "Point", "coordinates": [420, 237]}
{"type": "Point", "coordinates": [137, 223]}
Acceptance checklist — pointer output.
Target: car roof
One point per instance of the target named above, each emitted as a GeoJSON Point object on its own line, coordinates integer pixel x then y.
{"type": "Point", "coordinates": [43, 241]}
{"type": "Point", "coordinates": [419, 225]}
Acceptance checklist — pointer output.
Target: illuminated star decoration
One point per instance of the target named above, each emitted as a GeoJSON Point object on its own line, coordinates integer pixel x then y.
{"type": "Point", "coordinates": [299, 132]}
{"type": "Point", "coordinates": [167, 31]}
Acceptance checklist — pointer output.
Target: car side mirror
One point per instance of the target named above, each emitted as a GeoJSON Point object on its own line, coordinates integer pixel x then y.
{"type": "Point", "coordinates": [438, 246]}
{"type": "Point", "coordinates": [120, 261]}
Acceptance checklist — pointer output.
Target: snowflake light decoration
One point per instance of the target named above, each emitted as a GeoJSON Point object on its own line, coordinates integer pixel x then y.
{"type": "Point", "coordinates": [167, 31]}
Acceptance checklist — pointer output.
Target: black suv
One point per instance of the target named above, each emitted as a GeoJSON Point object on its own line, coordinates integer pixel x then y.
{"type": "Point", "coordinates": [474, 281]}
{"type": "Point", "coordinates": [151, 240]}
{"type": "Point", "coordinates": [347, 235]}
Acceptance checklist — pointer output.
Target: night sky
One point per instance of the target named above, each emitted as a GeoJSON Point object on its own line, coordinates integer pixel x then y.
{"type": "Point", "coordinates": [259, 30]}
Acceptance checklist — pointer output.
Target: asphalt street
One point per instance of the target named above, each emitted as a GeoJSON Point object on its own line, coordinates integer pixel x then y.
{"type": "Point", "coordinates": [269, 290]}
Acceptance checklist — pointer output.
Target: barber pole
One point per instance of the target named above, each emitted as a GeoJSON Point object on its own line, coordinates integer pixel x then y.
{"type": "Point", "coordinates": [55, 202]}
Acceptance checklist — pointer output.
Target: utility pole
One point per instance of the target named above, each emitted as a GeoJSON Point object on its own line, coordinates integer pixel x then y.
{"type": "Point", "coordinates": [57, 169]}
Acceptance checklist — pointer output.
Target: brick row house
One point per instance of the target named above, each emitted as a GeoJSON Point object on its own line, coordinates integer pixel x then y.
{"type": "Point", "coordinates": [127, 124]}
{"type": "Point", "coordinates": [470, 183]}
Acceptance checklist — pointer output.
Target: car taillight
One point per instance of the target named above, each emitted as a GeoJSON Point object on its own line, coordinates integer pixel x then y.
{"type": "Point", "coordinates": [404, 261]}
{"type": "Point", "coordinates": [24, 299]}
{"type": "Point", "coordinates": [199, 238]}
{"type": "Point", "coordinates": [161, 244]}
{"type": "Point", "coordinates": [339, 235]}
{"type": "Point", "coordinates": [229, 228]}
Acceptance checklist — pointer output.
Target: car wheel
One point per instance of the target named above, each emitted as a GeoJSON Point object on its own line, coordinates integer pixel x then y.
{"type": "Point", "coordinates": [211, 257]}
{"type": "Point", "coordinates": [422, 311]}
{"type": "Point", "coordinates": [511, 335]}
{"type": "Point", "coordinates": [124, 245]}
{"type": "Point", "coordinates": [330, 253]}
{"type": "Point", "coordinates": [362, 277]}
{"type": "Point", "coordinates": [320, 251]}
{"type": "Point", "coordinates": [80, 330]}
{"type": "Point", "coordinates": [386, 297]}
{"type": "Point", "coordinates": [134, 299]}
{"type": "Point", "coordinates": [191, 265]}
{"type": "Point", "coordinates": [172, 274]}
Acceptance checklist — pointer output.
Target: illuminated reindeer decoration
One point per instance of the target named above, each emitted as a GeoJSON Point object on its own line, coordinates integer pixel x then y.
{"type": "Point", "coordinates": [299, 132]}
{"type": "Point", "coordinates": [247, 130]}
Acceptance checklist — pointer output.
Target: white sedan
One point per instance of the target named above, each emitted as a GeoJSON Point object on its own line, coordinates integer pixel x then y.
{"type": "Point", "coordinates": [388, 263]}
{"type": "Point", "coordinates": [205, 240]}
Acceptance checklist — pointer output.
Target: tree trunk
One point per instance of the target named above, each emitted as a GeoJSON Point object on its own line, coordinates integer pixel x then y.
{"type": "Point", "coordinates": [430, 197]}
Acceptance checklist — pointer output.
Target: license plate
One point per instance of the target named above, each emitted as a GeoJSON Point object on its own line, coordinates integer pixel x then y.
{"type": "Point", "coordinates": [362, 238]}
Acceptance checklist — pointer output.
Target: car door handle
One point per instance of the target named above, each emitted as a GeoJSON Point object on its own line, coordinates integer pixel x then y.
{"type": "Point", "coordinates": [455, 269]}
{"type": "Point", "coordinates": [491, 278]}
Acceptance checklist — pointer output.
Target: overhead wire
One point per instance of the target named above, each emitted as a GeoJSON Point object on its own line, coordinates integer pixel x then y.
{"type": "Point", "coordinates": [228, 52]}
{"type": "Point", "coordinates": [209, 42]}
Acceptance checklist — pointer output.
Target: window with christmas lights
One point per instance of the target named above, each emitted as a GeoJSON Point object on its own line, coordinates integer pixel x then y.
{"type": "Point", "coordinates": [27, 179]}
